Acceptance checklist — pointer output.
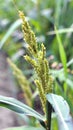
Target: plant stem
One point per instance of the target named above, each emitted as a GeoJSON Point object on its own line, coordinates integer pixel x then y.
{"type": "Point", "coordinates": [48, 115]}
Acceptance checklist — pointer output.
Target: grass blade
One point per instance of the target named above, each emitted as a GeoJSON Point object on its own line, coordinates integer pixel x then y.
{"type": "Point", "coordinates": [10, 31]}
{"type": "Point", "coordinates": [19, 107]}
{"type": "Point", "coordinates": [62, 53]}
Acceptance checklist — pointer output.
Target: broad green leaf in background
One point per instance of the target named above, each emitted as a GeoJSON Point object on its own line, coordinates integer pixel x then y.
{"type": "Point", "coordinates": [25, 128]}
{"type": "Point", "coordinates": [15, 25]}
{"type": "Point", "coordinates": [62, 53]}
{"type": "Point", "coordinates": [61, 108]}
{"type": "Point", "coordinates": [19, 108]}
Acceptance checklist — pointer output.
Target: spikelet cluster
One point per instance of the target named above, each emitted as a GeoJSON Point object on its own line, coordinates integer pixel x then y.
{"type": "Point", "coordinates": [29, 36]}
{"type": "Point", "coordinates": [22, 82]}
{"type": "Point", "coordinates": [38, 61]}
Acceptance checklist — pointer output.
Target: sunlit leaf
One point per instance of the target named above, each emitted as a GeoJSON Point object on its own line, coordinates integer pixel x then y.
{"type": "Point", "coordinates": [19, 107]}
{"type": "Point", "coordinates": [60, 106]}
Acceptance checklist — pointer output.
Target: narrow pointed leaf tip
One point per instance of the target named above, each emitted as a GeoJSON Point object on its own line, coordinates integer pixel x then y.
{"type": "Point", "coordinates": [19, 107]}
{"type": "Point", "coordinates": [62, 110]}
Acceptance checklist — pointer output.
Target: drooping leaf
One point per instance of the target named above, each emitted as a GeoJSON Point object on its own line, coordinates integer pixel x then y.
{"type": "Point", "coordinates": [60, 106]}
{"type": "Point", "coordinates": [19, 108]}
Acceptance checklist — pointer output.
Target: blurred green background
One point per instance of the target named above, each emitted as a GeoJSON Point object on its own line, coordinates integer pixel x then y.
{"type": "Point", "coordinates": [43, 16]}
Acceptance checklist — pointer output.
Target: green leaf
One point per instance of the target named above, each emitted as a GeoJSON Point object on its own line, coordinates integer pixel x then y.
{"type": "Point", "coordinates": [9, 32]}
{"type": "Point", "coordinates": [57, 12]}
{"type": "Point", "coordinates": [62, 110]}
{"type": "Point", "coordinates": [61, 31]}
{"type": "Point", "coordinates": [25, 128]}
{"type": "Point", "coordinates": [19, 108]}
{"type": "Point", "coordinates": [62, 53]}
{"type": "Point", "coordinates": [54, 124]}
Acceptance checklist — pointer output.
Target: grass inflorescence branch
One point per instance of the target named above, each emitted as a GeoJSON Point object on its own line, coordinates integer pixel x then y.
{"type": "Point", "coordinates": [39, 62]}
